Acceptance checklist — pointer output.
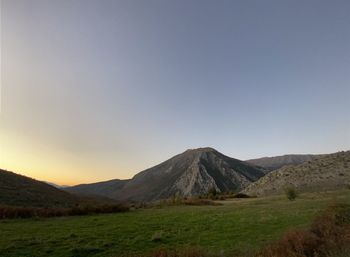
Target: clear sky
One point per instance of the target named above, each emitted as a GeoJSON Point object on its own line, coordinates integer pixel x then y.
{"type": "Point", "coordinates": [95, 90]}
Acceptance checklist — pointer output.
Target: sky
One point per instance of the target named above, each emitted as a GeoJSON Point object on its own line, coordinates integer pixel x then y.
{"type": "Point", "coordinates": [93, 90]}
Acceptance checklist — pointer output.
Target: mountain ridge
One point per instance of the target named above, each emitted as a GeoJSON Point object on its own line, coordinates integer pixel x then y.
{"type": "Point", "coordinates": [103, 188]}
{"type": "Point", "coordinates": [329, 171]}
{"type": "Point", "coordinates": [276, 162]}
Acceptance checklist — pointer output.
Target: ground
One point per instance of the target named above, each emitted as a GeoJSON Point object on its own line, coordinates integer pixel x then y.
{"type": "Point", "coordinates": [237, 226]}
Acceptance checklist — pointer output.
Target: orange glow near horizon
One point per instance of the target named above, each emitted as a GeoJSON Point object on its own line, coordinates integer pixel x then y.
{"type": "Point", "coordinates": [35, 160]}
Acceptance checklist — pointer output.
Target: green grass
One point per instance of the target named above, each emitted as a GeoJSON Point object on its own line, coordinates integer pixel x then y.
{"type": "Point", "coordinates": [238, 226]}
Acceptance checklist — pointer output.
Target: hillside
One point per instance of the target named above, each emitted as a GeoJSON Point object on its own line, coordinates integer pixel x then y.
{"type": "Point", "coordinates": [106, 188]}
{"type": "Point", "coordinates": [276, 162]}
{"type": "Point", "coordinates": [327, 172]}
{"type": "Point", "coordinates": [23, 191]}
{"type": "Point", "coordinates": [191, 173]}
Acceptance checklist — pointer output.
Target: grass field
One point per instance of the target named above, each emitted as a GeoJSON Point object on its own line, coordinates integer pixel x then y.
{"type": "Point", "coordinates": [238, 226]}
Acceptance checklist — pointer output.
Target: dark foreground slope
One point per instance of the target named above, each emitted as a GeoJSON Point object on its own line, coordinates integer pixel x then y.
{"type": "Point", "coordinates": [19, 190]}
{"type": "Point", "coordinates": [191, 173]}
{"type": "Point", "coordinates": [330, 171]}
{"type": "Point", "coordinates": [276, 162]}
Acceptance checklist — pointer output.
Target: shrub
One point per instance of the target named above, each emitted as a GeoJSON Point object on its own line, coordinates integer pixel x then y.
{"type": "Point", "coordinates": [291, 193]}
{"type": "Point", "coordinates": [197, 201]}
{"type": "Point", "coordinates": [241, 195]}
{"type": "Point", "coordinates": [329, 235]}
{"type": "Point", "coordinates": [212, 193]}
{"type": "Point", "coordinates": [10, 212]}
{"type": "Point", "coordinates": [176, 198]}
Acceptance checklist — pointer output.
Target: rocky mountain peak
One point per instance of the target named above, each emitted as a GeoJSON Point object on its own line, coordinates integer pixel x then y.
{"type": "Point", "coordinates": [201, 150]}
{"type": "Point", "coordinates": [190, 173]}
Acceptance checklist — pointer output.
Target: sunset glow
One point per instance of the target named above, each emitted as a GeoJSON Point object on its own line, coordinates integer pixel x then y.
{"type": "Point", "coordinates": [93, 91]}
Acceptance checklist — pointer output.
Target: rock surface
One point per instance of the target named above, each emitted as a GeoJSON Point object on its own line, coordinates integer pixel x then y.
{"type": "Point", "coordinates": [191, 173]}
{"type": "Point", "coordinates": [326, 172]}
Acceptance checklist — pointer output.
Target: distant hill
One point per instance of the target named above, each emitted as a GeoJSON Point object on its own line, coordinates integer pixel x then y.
{"type": "Point", "coordinates": [191, 173]}
{"type": "Point", "coordinates": [330, 171]}
{"type": "Point", "coordinates": [55, 185]}
{"type": "Point", "coordinates": [105, 189]}
{"type": "Point", "coordinates": [274, 163]}
{"type": "Point", "coordinates": [23, 191]}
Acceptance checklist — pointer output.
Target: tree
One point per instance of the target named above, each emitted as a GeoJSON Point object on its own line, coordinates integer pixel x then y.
{"type": "Point", "coordinates": [291, 193]}
{"type": "Point", "coordinates": [212, 193]}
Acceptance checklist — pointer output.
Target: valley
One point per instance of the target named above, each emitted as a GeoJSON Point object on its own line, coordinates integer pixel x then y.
{"type": "Point", "coordinates": [237, 228]}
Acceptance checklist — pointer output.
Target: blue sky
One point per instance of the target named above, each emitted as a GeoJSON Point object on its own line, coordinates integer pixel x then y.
{"type": "Point", "coordinates": [93, 90]}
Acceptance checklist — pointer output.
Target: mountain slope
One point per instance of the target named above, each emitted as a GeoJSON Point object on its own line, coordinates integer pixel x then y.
{"type": "Point", "coordinates": [326, 172]}
{"type": "Point", "coordinates": [23, 191]}
{"type": "Point", "coordinates": [274, 163]}
{"type": "Point", "coordinates": [106, 188]}
{"type": "Point", "coordinates": [191, 173]}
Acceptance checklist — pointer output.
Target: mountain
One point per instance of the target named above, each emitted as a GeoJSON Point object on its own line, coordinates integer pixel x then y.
{"type": "Point", "coordinates": [191, 173]}
{"type": "Point", "coordinates": [105, 189]}
{"type": "Point", "coordinates": [23, 191]}
{"type": "Point", "coordinates": [326, 172]}
{"type": "Point", "coordinates": [274, 163]}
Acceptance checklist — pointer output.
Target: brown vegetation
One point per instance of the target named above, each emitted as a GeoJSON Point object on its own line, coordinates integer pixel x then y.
{"type": "Point", "coordinates": [197, 201]}
{"type": "Point", "coordinates": [328, 236]}
{"type": "Point", "coordinates": [9, 212]}
{"type": "Point", "coordinates": [183, 201]}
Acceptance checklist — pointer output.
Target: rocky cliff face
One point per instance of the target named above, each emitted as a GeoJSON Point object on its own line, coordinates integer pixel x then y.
{"type": "Point", "coordinates": [191, 173]}
{"type": "Point", "coordinates": [330, 171]}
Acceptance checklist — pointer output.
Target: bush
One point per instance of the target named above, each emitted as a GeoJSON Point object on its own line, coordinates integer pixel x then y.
{"type": "Point", "coordinates": [241, 195]}
{"type": "Point", "coordinates": [212, 193]}
{"type": "Point", "coordinates": [197, 201]}
{"type": "Point", "coordinates": [329, 235]}
{"type": "Point", "coordinates": [291, 193]}
{"type": "Point", "coordinates": [176, 198]}
{"type": "Point", "coordinates": [10, 212]}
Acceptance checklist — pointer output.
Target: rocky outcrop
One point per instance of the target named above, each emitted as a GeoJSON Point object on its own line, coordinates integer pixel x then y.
{"type": "Point", "coordinates": [276, 162]}
{"type": "Point", "coordinates": [330, 171]}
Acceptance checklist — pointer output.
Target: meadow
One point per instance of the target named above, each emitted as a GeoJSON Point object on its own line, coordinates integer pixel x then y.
{"type": "Point", "coordinates": [237, 227]}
